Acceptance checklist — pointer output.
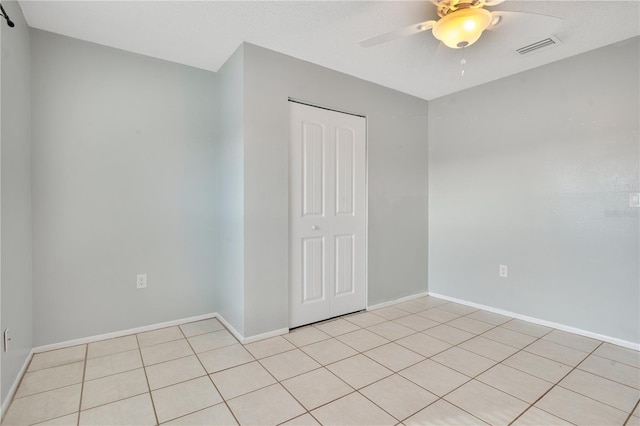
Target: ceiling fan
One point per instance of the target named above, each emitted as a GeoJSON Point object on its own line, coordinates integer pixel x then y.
{"type": "Point", "coordinates": [461, 23]}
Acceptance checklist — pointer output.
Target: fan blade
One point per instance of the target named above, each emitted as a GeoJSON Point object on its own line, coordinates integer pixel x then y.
{"type": "Point", "coordinates": [503, 18]}
{"type": "Point", "coordinates": [401, 32]}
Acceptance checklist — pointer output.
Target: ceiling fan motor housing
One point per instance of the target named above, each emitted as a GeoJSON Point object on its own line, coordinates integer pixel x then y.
{"type": "Point", "coordinates": [462, 27]}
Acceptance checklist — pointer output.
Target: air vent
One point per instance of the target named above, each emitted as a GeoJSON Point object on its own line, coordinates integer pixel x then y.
{"type": "Point", "coordinates": [539, 45]}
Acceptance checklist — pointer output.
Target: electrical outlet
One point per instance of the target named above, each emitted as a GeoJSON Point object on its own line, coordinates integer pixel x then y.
{"type": "Point", "coordinates": [503, 271]}
{"type": "Point", "coordinates": [141, 281]}
{"type": "Point", "coordinates": [6, 338]}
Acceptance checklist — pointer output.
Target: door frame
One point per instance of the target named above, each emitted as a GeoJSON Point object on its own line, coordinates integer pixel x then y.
{"type": "Point", "coordinates": [366, 197]}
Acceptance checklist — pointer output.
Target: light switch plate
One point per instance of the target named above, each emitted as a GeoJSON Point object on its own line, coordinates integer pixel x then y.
{"type": "Point", "coordinates": [634, 199]}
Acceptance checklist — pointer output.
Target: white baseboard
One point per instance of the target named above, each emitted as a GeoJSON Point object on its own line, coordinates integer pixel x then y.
{"type": "Point", "coordinates": [569, 329]}
{"type": "Point", "coordinates": [396, 301]}
{"type": "Point", "coordinates": [14, 386]}
{"type": "Point", "coordinates": [121, 333]}
{"type": "Point", "coordinates": [266, 335]}
{"type": "Point", "coordinates": [250, 339]}
{"type": "Point", "coordinates": [231, 328]}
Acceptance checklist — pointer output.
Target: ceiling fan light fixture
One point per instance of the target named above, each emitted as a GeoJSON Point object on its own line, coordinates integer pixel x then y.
{"type": "Point", "coordinates": [463, 27]}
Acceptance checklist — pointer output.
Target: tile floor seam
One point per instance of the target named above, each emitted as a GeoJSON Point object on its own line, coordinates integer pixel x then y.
{"type": "Point", "coordinates": [385, 337]}
{"type": "Point", "coordinates": [162, 362]}
{"type": "Point", "coordinates": [453, 326]}
{"type": "Point", "coordinates": [590, 397]}
{"type": "Point", "coordinates": [447, 393]}
{"type": "Point", "coordinates": [327, 403]}
{"type": "Point", "coordinates": [603, 377]}
{"type": "Point", "coordinates": [554, 386]}
{"type": "Point", "coordinates": [559, 362]}
{"type": "Point", "coordinates": [568, 365]}
{"type": "Point", "coordinates": [422, 408]}
{"type": "Point", "coordinates": [114, 401]}
{"type": "Point", "coordinates": [224, 400]}
{"type": "Point", "coordinates": [307, 344]}
{"type": "Point", "coordinates": [161, 343]}
{"type": "Point", "coordinates": [314, 417]}
{"type": "Point", "coordinates": [474, 334]}
{"type": "Point", "coordinates": [84, 372]}
{"type": "Point", "coordinates": [400, 420]}
{"type": "Point", "coordinates": [113, 374]}
{"type": "Point", "coordinates": [194, 412]}
{"type": "Point", "coordinates": [538, 408]}
{"type": "Point", "coordinates": [486, 322]}
{"type": "Point", "coordinates": [522, 371]}
{"type": "Point", "coordinates": [226, 368]}
{"type": "Point", "coordinates": [117, 352]}
{"type": "Point", "coordinates": [504, 343]}
{"type": "Point", "coordinates": [179, 382]}
{"type": "Point", "coordinates": [30, 374]}
{"type": "Point", "coordinates": [466, 374]}
{"type": "Point", "coordinates": [297, 375]}
{"type": "Point", "coordinates": [459, 408]}
{"type": "Point", "coordinates": [505, 392]}
{"type": "Point", "coordinates": [353, 390]}
{"type": "Point", "coordinates": [49, 368]}
{"type": "Point", "coordinates": [631, 413]}
{"type": "Point", "coordinates": [374, 347]}
{"type": "Point", "coordinates": [531, 353]}
{"type": "Point", "coordinates": [144, 369]}
{"type": "Point", "coordinates": [340, 360]}
{"type": "Point", "coordinates": [393, 371]}
{"type": "Point", "coordinates": [362, 353]}
{"type": "Point", "coordinates": [474, 378]}
{"type": "Point", "coordinates": [410, 349]}
{"type": "Point", "coordinates": [375, 403]}
{"type": "Point", "coordinates": [619, 362]}
{"type": "Point", "coordinates": [530, 335]}
{"type": "Point", "coordinates": [375, 381]}
{"type": "Point", "coordinates": [386, 377]}
{"type": "Point", "coordinates": [452, 403]}
{"type": "Point", "coordinates": [284, 387]}
{"type": "Point", "coordinates": [45, 391]}
{"type": "Point", "coordinates": [433, 337]}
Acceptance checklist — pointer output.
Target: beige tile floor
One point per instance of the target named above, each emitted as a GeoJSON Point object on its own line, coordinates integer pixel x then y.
{"type": "Point", "coordinates": [421, 362]}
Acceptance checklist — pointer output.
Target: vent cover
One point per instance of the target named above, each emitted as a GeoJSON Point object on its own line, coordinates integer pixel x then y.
{"type": "Point", "coordinates": [539, 45]}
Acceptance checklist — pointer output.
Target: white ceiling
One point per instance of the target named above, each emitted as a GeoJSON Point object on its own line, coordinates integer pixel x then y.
{"type": "Point", "coordinates": [204, 34]}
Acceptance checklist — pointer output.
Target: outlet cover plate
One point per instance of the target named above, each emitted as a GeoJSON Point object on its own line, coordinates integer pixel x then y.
{"type": "Point", "coordinates": [141, 281]}
{"type": "Point", "coordinates": [503, 271]}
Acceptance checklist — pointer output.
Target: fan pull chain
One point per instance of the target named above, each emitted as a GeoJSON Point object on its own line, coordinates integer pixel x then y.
{"type": "Point", "coordinates": [462, 62]}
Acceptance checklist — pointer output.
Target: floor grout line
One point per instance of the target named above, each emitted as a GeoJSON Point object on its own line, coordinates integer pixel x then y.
{"type": "Point", "coordinates": [224, 401]}
{"type": "Point", "coordinates": [84, 372]}
{"type": "Point", "coordinates": [336, 337]}
{"type": "Point", "coordinates": [631, 413]}
{"type": "Point", "coordinates": [553, 387]}
{"type": "Point", "coordinates": [146, 376]}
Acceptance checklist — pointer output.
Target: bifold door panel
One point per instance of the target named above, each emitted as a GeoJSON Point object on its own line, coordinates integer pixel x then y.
{"type": "Point", "coordinates": [327, 247]}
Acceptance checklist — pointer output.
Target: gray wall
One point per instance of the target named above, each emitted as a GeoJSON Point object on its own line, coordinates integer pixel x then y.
{"type": "Point", "coordinates": [229, 192]}
{"type": "Point", "coordinates": [15, 190]}
{"type": "Point", "coordinates": [533, 171]}
{"type": "Point", "coordinates": [123, 162]}
{"type": "Point", "coordinates": [397, 181]}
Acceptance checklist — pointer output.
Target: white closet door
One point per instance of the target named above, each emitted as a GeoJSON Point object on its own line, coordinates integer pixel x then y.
{"type": "Point", "coordinates": [327, 249]}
